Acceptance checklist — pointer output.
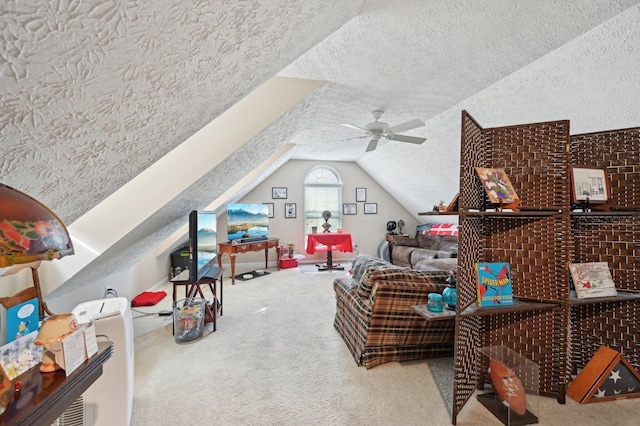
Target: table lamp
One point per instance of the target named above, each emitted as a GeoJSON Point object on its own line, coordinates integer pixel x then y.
{"type": "Point", "coordinates": [29, 233]}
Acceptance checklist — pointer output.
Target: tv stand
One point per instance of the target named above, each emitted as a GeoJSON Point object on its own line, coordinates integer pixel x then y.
{"type": "Point", "coordinates": [238, 248]}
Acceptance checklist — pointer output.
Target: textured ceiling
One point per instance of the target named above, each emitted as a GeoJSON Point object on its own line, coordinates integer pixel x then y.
{"type": "Point", "coordinates": [96, 91]}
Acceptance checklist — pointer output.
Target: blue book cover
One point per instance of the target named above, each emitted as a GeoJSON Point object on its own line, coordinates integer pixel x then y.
{"type": "Point", "coordinates": [494, 284]}
{"type": "Point", "coordinates": [22, 319]}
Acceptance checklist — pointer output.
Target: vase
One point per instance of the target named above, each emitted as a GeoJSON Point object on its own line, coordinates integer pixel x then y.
{"type": "Point", "coordinates": [450, 293]}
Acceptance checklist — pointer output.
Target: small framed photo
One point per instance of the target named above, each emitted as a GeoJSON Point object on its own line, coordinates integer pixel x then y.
{"type": "Point", "coordinates": [279, 192]}
{"type": "Point", "coordinates": [351, 208]}
{"type": "Point", "coordinates": [589, 185]}
{"type": "Point", "coordinates": [289, 210]}
{"type": "Point", "coordinates": [361, 194]}
{"type": "Point", "coordinates": [270, 207]}
{"type": "Point", "coordinates": [370, 208]}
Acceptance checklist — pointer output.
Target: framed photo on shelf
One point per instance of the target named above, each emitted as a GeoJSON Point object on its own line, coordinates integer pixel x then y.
{"type": "Point", "coordinates": [589, 185]}
{"type": "Point", "coordinates": [279, 192]}
{"type": "Point", "coordinates": [270, 207]}
{"type": "Point", "coordinates": [289, 210]}
{"type": "Point", "coordinates": [370, 208]}
{"type": "Point", "coordinates": [361, 194]}
{"type": "Point", "coordinates": [350, 208]}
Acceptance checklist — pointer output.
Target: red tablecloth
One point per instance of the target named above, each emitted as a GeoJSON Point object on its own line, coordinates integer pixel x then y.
{"type": "Point", "coordinates": [333, 241]}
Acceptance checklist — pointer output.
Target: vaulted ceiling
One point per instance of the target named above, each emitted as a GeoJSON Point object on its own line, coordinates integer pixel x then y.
{"type": "Point", "coordinates": [97, 92]}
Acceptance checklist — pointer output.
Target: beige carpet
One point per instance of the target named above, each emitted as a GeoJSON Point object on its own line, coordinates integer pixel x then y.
{"type": "Point", "coordinates": [277, 360]}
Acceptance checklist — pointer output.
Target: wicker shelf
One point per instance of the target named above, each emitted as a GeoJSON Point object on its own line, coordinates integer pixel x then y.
{"type": "Point", "coordinates": [558, 332]}
{"type": "Point", "coordinates": [446, 314]}
{"type": "Point", "coordinates": [529, 213]}
{"type": "Point", "coordinates": [622, 296]}
{"type": "Point", "coordinates": [518, 306]}
{"type": "Point", "coordinates": [438, 213]}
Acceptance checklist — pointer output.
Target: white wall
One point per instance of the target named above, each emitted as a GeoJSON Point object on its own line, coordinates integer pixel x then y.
{"type": "Point", "coordinates": [367, 231]}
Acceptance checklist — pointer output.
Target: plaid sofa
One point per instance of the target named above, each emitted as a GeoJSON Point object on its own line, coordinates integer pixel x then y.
{"type": "Point", "coordinates": [375, 318]}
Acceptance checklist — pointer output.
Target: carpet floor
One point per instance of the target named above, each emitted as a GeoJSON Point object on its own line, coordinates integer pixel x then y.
{"type": "Point", "coordinates": [276, 359]}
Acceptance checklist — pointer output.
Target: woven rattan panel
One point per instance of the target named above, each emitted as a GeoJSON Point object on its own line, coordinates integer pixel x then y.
{"type": "Point", "coordinates": [619, 152]}
{"type": "Point", "coordinates": [472, 154]}
{"type": "Point", "coordinates": [612, 239]}
{"type": "Point", "coordinates": [535, 250]}
{"type": "Point", "coordinates": [612, 324]}
{"type": "Point", "coordinates": [534, 158]}
{"type": "Point", "coordinates": [538, 335]}
{"type": "Point", "coordinates": [465, 374]}
{"type": "Point", "coordinates": [471, 229]}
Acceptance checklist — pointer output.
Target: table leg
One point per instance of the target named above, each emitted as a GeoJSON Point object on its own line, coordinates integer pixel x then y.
{"type": "Point", "coordinates": [278, 256]}
{"type": "Point", "coordinates": [233, 268]}
{"type": "Point", "coordinates": [330, 264]}
{"type": "Point", "coordinates": [266, 257]}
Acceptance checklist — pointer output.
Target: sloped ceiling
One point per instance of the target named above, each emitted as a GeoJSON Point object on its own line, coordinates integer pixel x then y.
{"type": "Point", "coordinates": [96, 91]}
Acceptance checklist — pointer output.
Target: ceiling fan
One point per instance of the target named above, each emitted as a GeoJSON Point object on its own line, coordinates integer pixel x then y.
{"type": "Point", "coordinates": [380, 129]}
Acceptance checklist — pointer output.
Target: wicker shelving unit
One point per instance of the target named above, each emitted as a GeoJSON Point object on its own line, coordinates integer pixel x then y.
{"type": "Point", "coordinates": [539, 241]}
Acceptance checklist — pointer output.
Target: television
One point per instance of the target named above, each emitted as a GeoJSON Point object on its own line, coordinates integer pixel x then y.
{"type": "Point", "coordinates": [203, 243]}
{"type": "Point", "coordinates": [247, 222]}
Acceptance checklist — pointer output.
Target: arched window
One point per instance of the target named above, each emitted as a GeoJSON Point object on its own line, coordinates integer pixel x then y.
{"type": "Point", "coordinates": [322, 191]}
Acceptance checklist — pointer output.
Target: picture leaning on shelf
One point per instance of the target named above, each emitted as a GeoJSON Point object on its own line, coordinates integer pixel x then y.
{"type": "Point", "coordinates": [494, 284]}
{"type": "Point", "coordinates": [592, 279]}
{"type": "Point", "coordinates": [498, 187]}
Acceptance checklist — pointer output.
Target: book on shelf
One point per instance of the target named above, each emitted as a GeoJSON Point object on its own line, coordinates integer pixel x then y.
{"type": "Point", "coordinates": [494, 284]}
{"type": "Point", "coordinates": [498, 187]}
{"type": "Point", "coordinates": [18, 320]}
{"type": "Point", "coordinates": [592, 279]}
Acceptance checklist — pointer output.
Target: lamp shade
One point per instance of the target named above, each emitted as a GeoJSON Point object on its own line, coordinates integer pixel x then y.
{"type": "Point", "coordinates": [29, 230]}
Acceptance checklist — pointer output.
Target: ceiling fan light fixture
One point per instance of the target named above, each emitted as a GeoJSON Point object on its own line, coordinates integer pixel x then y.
{"type": "Point", "coordinates": [378, 129]}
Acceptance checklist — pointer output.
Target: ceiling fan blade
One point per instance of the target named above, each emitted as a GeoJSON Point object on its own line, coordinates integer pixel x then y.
{"type": "Point", "coordinates": [347, 139]}
{"type": "Point", "coordinates": [406, 126]}
{"type": "Point", "coordinates": [372, 145]}
{"type": "Point", "coordinates": [354, 127]}
{"type": "Point", "coordinates": [405, 138]}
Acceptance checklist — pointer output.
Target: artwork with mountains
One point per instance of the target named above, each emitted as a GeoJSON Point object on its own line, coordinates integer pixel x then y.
{"type": "Point", "coordinates": [247, 220]}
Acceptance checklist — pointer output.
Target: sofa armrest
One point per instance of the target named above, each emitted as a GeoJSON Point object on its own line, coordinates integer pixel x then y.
{"type": "Point", "coordinates": [400, 296]}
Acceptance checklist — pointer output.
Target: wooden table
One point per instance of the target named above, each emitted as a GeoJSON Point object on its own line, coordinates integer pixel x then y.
{"type": "Point", "coordinates": [233, 249]}
{"type": "Point", "coordinates": [338, 240]}
{"type": "Point", "coordinates": [45, 396]}
{"type": "Point", "coordinates": [194, 288]}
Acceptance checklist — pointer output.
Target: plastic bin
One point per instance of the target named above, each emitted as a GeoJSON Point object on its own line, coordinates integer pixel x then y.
{"type": "Point", "coordinates": [188, 319]}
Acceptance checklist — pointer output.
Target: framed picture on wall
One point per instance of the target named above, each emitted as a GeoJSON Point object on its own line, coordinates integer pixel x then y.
{"type": "Point", "coordinates": [289, 210]}
{"type": "Point", "coordinates": [270, 207]}
{"type": "Point", "coordinates": [370, 208]}
{"type": "Point", "coordinates": [279, 192]}
{"type": "Point", "coordinates": [350, 208]}
{"type": "Point", "coordinates": [361, 194]}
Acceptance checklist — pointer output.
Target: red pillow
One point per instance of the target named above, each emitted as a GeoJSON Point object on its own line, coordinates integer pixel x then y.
{"type": "Point", "coordinates": [148, 298]}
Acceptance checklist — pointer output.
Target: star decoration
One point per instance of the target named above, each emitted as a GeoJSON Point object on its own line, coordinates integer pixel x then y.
{"type": "Point", "coordinates": [615, 376]}
{"type": "Point", "coordinates": [600, 394]}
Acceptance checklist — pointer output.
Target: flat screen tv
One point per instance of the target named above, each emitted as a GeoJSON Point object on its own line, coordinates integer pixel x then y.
{"type": "Point", "coordinates": [247, 221]}
{"type": "Point", "coordinates": [203, 243]}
